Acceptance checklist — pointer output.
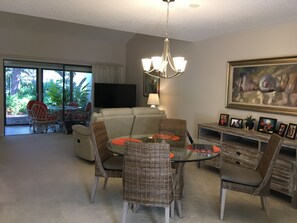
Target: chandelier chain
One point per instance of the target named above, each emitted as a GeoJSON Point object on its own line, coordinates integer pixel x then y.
{"type": "Point", "coordinates": [167, 19]}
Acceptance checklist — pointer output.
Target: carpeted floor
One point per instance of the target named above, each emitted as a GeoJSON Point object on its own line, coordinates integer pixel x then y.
{"type": "Point", "coordinates": [42, 181]}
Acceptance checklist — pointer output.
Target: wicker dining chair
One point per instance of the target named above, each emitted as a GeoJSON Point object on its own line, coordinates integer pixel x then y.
{"type": "Point", "coordinates": [106, 163]}
{"type": "Point", "coordinates": [255, 182]}
{"type": "Point", "coordinates": [176, 127]}
{"type": "Point", "coordinates": [147, 177]}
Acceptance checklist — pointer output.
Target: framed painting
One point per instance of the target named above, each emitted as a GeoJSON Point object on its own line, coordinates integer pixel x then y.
{"type": "Point", "coordinates": [282, 129]}
{"type": "Point", "coordinates": [236, 122]}
{"type": "Point", "coordinates": [267, 125]}
{"type": "Point", "coordinates": [291, 133]}
{"type": "Point", "coordinates": [263, 85]}
{"type": "Point", "coordinates": [150, 85]}
{"type": "Point", "coordinates": [224, 118]}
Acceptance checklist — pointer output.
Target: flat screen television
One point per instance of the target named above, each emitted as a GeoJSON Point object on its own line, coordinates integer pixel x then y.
{"type": "Point", "coordinates": [114, 95]}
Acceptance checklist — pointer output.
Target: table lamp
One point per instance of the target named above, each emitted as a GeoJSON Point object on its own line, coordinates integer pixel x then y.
{"type": "Point", "coordinates": [153, 100]}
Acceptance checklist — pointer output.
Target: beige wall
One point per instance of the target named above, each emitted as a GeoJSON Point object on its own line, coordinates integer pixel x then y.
{"type": "Point", "coordinates": [30, 38]}
{"type": "Point", "coordinates": [199, 95]}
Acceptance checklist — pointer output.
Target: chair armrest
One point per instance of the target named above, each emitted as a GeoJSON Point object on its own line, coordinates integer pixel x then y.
{"type": "Point", "coordinates": [82, 130]}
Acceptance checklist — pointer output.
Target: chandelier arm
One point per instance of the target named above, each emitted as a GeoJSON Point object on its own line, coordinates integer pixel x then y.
{"type": "Point", "coordinates": [171, 63]}
{"type": "Point", "coordinates": [175, 75]}
{"type": "Point", "coordinates": [152, 75]}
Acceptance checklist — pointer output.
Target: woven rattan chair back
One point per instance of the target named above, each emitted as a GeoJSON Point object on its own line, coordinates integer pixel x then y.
{"type": "Point", "coordinates": [267, 163]}
{"type": "Point", "coordinates": [100, 141]}
{"type": "Point", "coordinates": [176, 127]}
{"type": "Point", "coordinates": [104, 156]}
{"type": "Point", "coordinates": [147, 178]}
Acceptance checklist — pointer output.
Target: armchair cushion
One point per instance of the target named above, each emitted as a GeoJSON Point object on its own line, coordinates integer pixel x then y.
{"type": "Point", "coordinates": [241, 175]}
{"type": "Point", "coordinates": [82, 130]}
{"type": "Point", "coordinates": [113, 163]}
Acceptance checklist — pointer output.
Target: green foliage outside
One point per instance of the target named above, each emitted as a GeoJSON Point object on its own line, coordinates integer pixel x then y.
{"type": "Point", "coordinates": [53, 92]}
{"type": "Point", "coordinates": [21, 87]}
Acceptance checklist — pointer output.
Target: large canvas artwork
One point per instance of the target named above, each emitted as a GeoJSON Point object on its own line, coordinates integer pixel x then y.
{"type": "Point", "coordinates": [266, 85]}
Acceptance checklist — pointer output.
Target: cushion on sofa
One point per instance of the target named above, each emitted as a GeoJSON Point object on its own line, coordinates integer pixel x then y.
{"type": "Point", "coordinates": [117, 126]}
{"type": "Point", "coordinates": [94, 117]}
{"type": "Point", "coordinates": [106, 112]}
{"type": "Point", "coordinates": [146, 124]}
{"type": "Point", "coordinates": [146, 111]}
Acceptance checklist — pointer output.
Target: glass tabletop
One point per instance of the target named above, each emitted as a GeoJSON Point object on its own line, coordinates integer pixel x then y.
{"type": "Point", "coordinates": [182, 152]}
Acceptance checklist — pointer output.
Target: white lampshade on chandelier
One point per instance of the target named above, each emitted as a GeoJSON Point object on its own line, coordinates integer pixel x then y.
{"type": "Point", "coordinates": [157, 66]}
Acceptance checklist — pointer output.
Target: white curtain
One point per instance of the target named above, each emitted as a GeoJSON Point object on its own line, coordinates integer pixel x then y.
{"type": "Point", "coordinates": [104, 73]}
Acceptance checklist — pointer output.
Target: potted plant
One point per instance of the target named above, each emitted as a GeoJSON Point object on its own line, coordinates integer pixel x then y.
{"type": "Point", "coordinates": [249, 122]}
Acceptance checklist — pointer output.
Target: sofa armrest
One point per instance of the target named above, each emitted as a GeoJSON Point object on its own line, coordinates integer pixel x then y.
{"type": "Point", "coordinates": [83, 130]}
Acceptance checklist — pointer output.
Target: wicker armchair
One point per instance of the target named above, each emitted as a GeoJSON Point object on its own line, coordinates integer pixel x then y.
{"type": "Point", "coordinates": [255, 182]}
{"type": "Point", "coordinates": [106, 164]}
{"type": "Point", "coordinates": [83, 115]}
{"type": "Point", "coordinates": [147, 177]}
{"type": "Point", "coordinates": [29, 107]}
{"type": "Point", "coordinates": [42, 117]}
{"type": "Point", "coordinates": [176, 127]}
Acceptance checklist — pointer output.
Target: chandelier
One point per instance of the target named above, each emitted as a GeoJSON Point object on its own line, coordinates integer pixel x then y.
{"type": "Point", "coordinates": [157, 66]}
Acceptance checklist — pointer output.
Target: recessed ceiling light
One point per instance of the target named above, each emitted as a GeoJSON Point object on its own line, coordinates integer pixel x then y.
{"type": "Point", "coordinates": [194, 4]}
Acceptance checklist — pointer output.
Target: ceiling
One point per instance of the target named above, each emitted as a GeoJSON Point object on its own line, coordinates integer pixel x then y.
{"type": "Point", "coordinates": [212, 17]}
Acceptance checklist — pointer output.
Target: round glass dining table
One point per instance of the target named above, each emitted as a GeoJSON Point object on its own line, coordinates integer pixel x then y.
{"type": "Point", "coordinates": [181, 152]}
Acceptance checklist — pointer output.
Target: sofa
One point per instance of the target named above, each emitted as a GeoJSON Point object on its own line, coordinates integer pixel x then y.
{"type": "Point", "coordinates": [118, 122]}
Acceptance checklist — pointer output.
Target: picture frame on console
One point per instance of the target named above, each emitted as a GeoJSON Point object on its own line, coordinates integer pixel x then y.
{"type": "Point", "coordinates": [282, 129]}
{"type": "Point", "coordinates": [150, 85]}
{"type": "Point", "coordinates": [267, 125]}
{"type": "Point", "coordinates": [224, 119]}
{"type": "Point", "coordinates": [263, 85]}
{"type": "Point", "coordinates": [291, 133]}
{"type": "Point", "coordinates": [236, 123]}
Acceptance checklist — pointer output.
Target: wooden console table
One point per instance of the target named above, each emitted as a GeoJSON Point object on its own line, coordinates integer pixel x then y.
{"type": "Point", "coordinates": [241, 147]}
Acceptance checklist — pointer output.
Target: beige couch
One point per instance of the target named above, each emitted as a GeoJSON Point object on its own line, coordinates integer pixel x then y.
{"type": "Point", "coordinates": [118, 122]}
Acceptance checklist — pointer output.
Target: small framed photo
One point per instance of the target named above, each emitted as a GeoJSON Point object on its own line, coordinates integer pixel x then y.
{"type": "Point", "coordinates": [224, 118]}
{"type": "Point", "coordinates": [267, 125]}
{"type": "Point", "coordinates": [291, 133]}
{"type": "Point", "coordinates": [236, 122]}
{"type": "Point", "coordinates": [282, 129]}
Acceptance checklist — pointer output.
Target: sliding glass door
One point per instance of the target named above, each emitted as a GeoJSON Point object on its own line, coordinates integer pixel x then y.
{"type": "Point", "coordinates": [20, 87]}
{"type": "Point", "coordinates": [57, 85]}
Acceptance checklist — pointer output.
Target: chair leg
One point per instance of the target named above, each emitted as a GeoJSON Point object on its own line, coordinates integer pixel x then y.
{"type": "Point", "coordinates": [167, 210]}
{"type": "Point", "coordinates": [105, 183]}
{"type": "Point", "coordinates": [135, 207]}
{"type": "Point", "coordinates": [223, 199]}
{"type": "Point", "coordinates": [125, 210]}
{"type": "Point", "coordinates": [94, 189]}
{"type": "Point", "coordinates": [262, 203]}
{"type": "Point", "coordinates": [266, 207]}
{"type": "Point", "coordinates": [179, 209]}
{"type": "Point", "coordinates": [172, 209]}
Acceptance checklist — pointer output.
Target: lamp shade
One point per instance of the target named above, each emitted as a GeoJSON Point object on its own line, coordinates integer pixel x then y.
{"type": "Point", "coordinates": [153, 100]}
